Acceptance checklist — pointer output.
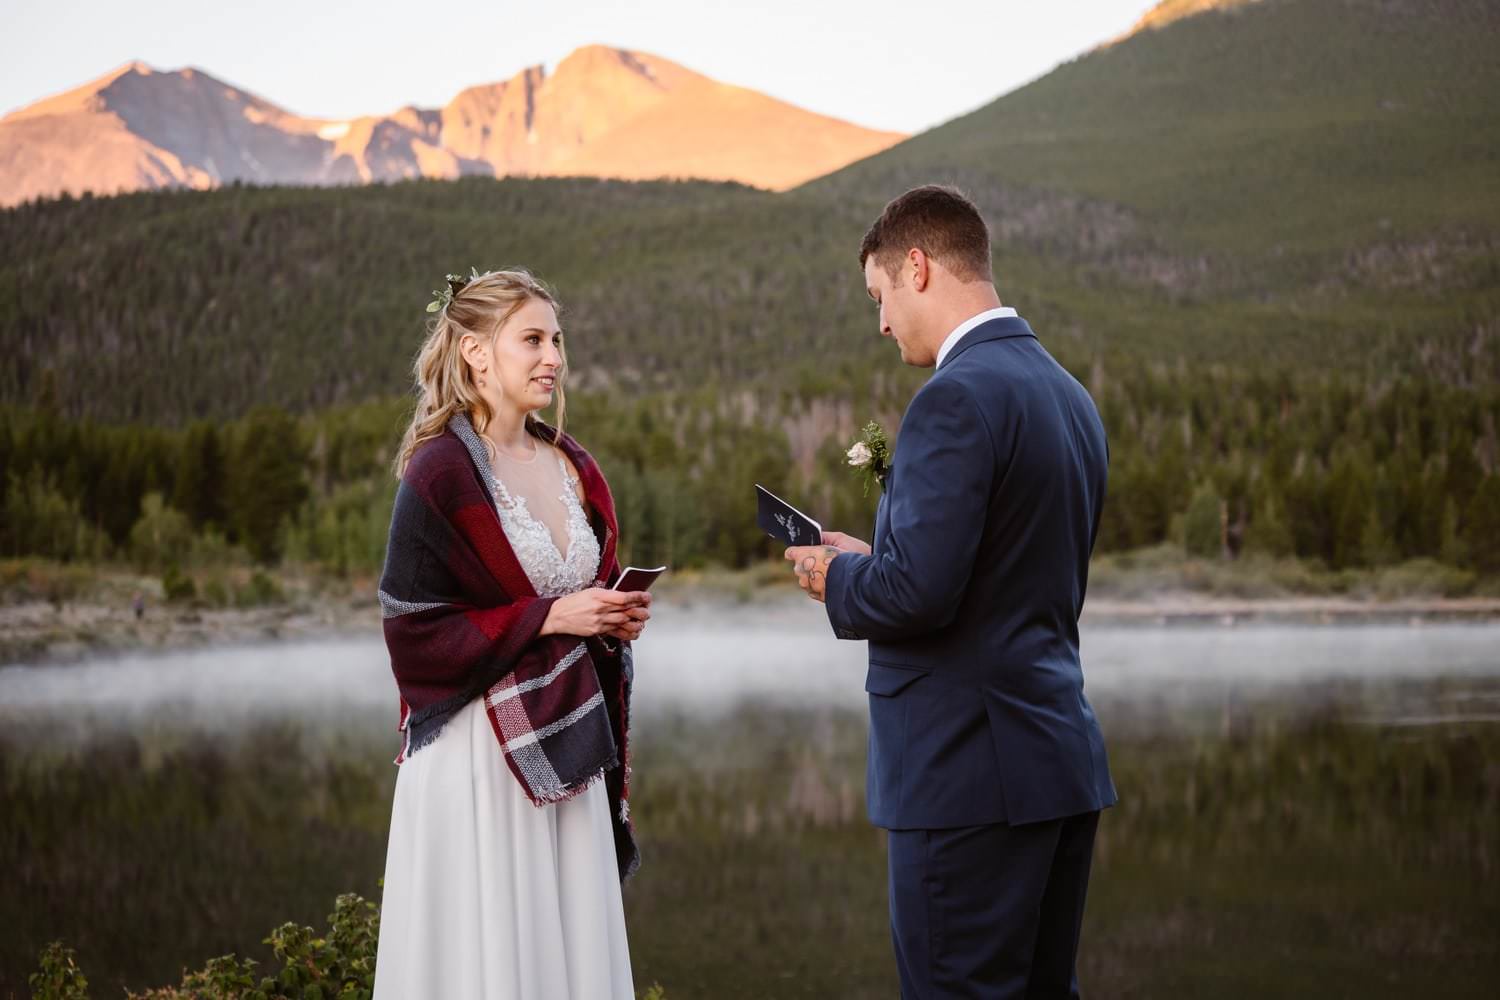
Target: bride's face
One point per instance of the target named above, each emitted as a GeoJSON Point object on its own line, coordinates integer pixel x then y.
{"type": "Point", "coordinates": [526, 358]}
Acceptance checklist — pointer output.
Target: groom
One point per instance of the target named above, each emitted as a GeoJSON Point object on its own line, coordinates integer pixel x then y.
{"type": "Point", "coordinates": [986, 763]}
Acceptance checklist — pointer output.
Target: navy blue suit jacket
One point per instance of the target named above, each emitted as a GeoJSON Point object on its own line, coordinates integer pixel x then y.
{"type": "Point", "coordinates": [970, 599]}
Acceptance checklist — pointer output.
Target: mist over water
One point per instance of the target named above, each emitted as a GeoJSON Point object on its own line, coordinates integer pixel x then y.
{"type": "Point", "coordinates": [707, 659]}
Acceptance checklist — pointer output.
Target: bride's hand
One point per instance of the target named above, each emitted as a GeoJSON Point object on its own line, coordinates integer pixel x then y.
{"type": "Point", "coordinates": [638, 621]}
{"type": "Point", "coordinates": [597, 611]}
{"type": "Point", "coordinates": [631, 630]}
{"type": "Point", "coordinates": [846, 543]}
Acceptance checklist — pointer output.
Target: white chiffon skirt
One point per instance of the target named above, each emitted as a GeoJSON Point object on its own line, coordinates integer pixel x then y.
{"type": "Point", "coordinates": [488, 897]}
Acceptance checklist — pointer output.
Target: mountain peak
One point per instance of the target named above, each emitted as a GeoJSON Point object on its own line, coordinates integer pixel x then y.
{"type": "Point", "coordinates": [137, 67]}
{"type": "Point", "coordinates": [1167, 11]}
{"type": "Point", "coordinates": [603, 111]}
{"type": "Point", "coordinates": [604, 63]}
{"type": "Point", "coordinates": [84, 97]}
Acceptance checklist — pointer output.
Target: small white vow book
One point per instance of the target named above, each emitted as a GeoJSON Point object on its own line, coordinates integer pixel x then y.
{"type": "Point", "coordinates": [780, 519]}
{"type": "Point", "coordinates": [634, 579]}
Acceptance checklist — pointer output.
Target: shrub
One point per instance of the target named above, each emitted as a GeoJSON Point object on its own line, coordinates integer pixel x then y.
{"type": "Point", "coordinates": [160, 535]}
{"type": "Point", "coordinates": [262, 589]}
{"type": "Point", "coordinates": [340, 964]}
{"type": "Point", "coordinates": [59, 977]}
{"type": "Point", "coordinates": [43, 580]}
{"type": "Point", "coordinates": [176, 586]}
{"type": "Point", "coordinates": [214, 593]}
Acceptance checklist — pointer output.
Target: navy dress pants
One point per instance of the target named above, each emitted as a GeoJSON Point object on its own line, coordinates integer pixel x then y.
{"type": "Point", "coordinates": [990, 912]}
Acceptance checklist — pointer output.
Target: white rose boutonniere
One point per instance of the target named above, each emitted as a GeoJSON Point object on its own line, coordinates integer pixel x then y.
{"type": "Point", "coordinates": [870, 456]}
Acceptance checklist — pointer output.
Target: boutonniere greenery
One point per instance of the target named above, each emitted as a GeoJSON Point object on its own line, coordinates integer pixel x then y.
{"type": "Point", "coordinates": [871, 456]}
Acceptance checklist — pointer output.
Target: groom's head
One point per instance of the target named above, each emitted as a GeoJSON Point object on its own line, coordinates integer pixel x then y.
{"type": "Point", "coordinates": [927, 265]}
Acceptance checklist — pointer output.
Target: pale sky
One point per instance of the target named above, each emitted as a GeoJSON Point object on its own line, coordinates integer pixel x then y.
{"type": "Point", "coordinates": [890, 64]}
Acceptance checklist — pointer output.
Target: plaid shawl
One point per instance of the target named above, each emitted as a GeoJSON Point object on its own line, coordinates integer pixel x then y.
{"type": "Point", "coordinates": [461, 621]}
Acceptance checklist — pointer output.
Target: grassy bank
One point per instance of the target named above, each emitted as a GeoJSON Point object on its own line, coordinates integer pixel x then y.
{"type": "Point", "coordinates": [1165, 570]}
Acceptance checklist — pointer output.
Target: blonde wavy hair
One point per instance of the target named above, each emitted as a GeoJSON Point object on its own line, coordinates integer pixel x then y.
{"type": "Point", "coordinates": [444, 384]}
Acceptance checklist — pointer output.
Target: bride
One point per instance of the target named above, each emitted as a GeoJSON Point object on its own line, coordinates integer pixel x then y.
{"type": "Point", "coordinates": [510, 830]}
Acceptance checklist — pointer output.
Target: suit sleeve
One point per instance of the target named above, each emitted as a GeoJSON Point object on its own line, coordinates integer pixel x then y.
{"type": "Point", "coordinates": [944, 471]}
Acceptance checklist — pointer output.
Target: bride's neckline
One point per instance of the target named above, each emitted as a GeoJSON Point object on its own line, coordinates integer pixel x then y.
{"type": "Point", "coordinates": [536, 451]}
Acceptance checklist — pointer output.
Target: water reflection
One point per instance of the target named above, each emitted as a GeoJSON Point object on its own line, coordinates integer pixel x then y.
{"type": "Point", "coordinates": [1326, 795]}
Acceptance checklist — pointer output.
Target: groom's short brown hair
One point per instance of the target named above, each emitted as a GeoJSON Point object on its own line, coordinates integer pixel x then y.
{"type": "Point", "coordinates": [939, 221]}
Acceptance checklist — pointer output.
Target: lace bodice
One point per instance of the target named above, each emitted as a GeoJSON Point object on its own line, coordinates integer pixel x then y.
{"type": "Point", "coordinates": [552, 572]}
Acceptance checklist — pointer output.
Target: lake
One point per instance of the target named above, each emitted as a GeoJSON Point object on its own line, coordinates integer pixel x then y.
{"type": "Point", "coordinates": [1305, 810]}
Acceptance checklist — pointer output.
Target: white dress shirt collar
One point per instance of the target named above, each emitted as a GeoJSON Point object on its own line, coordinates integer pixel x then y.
{"type": "Point", "coordinates": [1000, 312]}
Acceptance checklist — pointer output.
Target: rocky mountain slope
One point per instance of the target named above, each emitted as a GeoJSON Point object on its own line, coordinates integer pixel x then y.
{"type": "Point", "coordinates": [603, 112]}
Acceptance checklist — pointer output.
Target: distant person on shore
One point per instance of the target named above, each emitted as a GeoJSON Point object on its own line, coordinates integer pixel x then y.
{"type": "Point", "coordinates": [510, 832]}
{"type": "Point", "coordinates": [986, 763]}
{"type": "Point", "coordinates": [138, 603]}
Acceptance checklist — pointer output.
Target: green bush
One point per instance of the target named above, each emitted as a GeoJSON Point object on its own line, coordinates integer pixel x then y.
{"type": "Point", "coordinates": [261, 590]}
{"type": "Point", "coordinates": [59, 977]}
{"type": "Point", "coordinates": [160, 535]}
{"type": "Point", "coordinates": [339, 964]}
{"type": "Point", "coordinates": [43, 580]}
{"type": "Point", "coordinates": [215, 594]}
{"type": "Point", "coordinates": [177, 586]}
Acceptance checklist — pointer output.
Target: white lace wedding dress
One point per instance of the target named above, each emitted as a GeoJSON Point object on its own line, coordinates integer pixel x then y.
{"type": "Point", "coordinates": [488, 897]}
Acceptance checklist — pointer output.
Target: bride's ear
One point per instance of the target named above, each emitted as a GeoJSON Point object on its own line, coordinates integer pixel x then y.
{"type": "Point", "coordinates": [472, 351]}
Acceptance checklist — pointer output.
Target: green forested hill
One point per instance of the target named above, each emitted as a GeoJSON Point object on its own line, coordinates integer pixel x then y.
{"type": "Point", "coordinates": [1277, 138]}
{"type": "Point", "coordinates": [165, 306]}
{"type": "Point", "coordinates": [1266, 239]}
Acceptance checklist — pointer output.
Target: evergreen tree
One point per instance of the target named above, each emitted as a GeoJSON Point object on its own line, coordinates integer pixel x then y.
{"type": "Point", "coordinates": [1453, 549]}
{"type": "Point", "coordinates": [1203, 525]}
{"type": "Point", "coordinates": [1349, 503]}
{"type": "Point", "coordinates": [1375, 545]}
{"type": "Point", "coordinates": [1307, 512]}
{"type": "Point", "coordinates": [1484, 525]}
{"type": "Point", "coordinates": [1268, 532]}
{"type": "Point", "coordinates": [40, 520]}
{"type": "Point", "coordinates": [1462, 471]}
{"type": "Point", "coordinates": [198, 487]}
{"type": "Point", "coordinates": [267, 480]}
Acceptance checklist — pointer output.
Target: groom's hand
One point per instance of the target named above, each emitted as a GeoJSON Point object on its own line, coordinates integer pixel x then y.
{"type": "Point", "coordinates": [811, 563]}
{"type": "Point", "coordinates": [846, 543]}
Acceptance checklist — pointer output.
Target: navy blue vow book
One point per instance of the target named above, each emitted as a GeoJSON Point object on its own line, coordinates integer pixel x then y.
{"type": "Point", "coordinates": [780, 519]}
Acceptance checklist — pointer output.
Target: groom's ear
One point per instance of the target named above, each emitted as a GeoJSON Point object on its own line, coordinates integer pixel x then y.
{"type": "Point", "coordinates": [916, 267]}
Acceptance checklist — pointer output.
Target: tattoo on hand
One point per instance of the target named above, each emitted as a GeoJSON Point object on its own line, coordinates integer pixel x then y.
{"type": "Point", "coordinates": [812, 569]}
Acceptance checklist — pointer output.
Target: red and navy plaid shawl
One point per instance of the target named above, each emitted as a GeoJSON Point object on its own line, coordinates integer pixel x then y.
{"type": "Point", "coordinates": [461, 622]}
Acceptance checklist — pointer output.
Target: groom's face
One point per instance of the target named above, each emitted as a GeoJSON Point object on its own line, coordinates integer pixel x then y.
{"type": "Point", "coordinates": [898, 314]}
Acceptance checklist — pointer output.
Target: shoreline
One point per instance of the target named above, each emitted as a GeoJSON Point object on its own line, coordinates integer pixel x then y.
{"type": "Point", "coordinates": [37, 632]}
{"type": "Point", "coordinates": [1184, 609]}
